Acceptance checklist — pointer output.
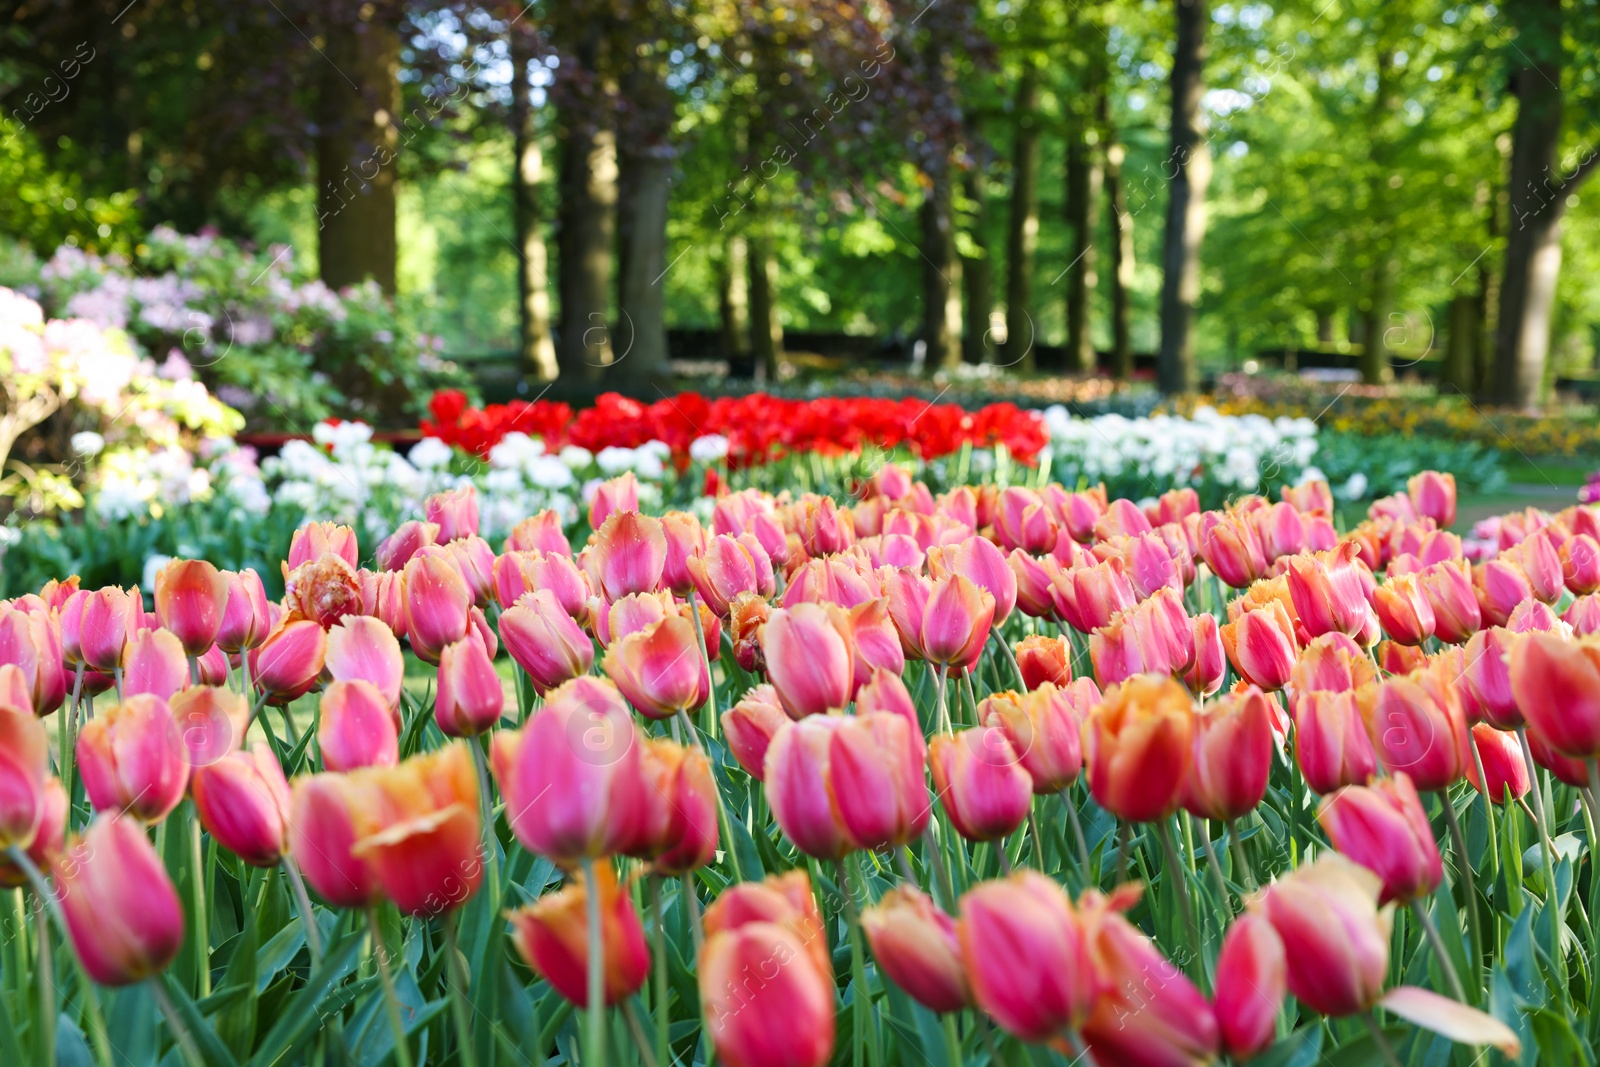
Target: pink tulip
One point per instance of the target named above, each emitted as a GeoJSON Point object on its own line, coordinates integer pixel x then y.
{"type": "Point", "coordinates": [1232, 549]}
{"type": "Point", "coordinates": [730, 566]}
{"type": "Point", "coordinates": [32, 642]}
{"type": "Point", "coordinates": [133, 759]}
{"type": "Point", "coordinates": [628, 555]}
{"type": "Point", "coordinates": [544, 641]}
{"type": "Point", "coordinates": [1335, 937]}
{"type": "Point", "coordinates": [542, 533]}
{"type": "Point", "coordinates": [751, 724]}
{"type": "Point", "coordinates": [1503, 765]}
{"type": "Point", "coordinates": [245, 618]}
{"type": "Point", "coordinates": [24, 772]}
{"type": "Point", "coordinates": [317, 539]}
{"type": "Point", "coordinates": [361, 648]}
{"type": "Point", "coordinates": [109, 615]}
{"type": "Point", "coordinates": [357, 728]}
{"type": "Point", "coordinates": [1417, 726]}
{"type": "Point", "coordinates": [285, 666]}
{"type": "Point", "coordinates": [243, 802]}
{"type": "Point", "coordinates": [660, 669]}
{"type": "Point", "coordinates": [470, 697]}
{"type": "Point", "coordinates": [396, 550]}
{"type": "Point", "coordinates": [322, 830]}
{"type": "Point", "coordinates": [1252, 978]}
{"type": "Point", "coordinates": [808, 659]}
{"type": "Point", "coordinates": [1383, 828]}
{"type": "Point", "coordinates": [438, 605]}
{"type": "Point", "coordinates": [983, 788]}
{"type": "Point", "coordinates": [1045, 730]}
{"type": "Point", "coordinates": [796, 774]}
{"type": "Point", "coordinates": [1262, 646]}
{"type": "Point", "coordinates": [1331, 743]}
{"type": "Point", "coordinates": [121, 908]}
{"type": "Point", "coordinates": [620, 494]}
{"type": "Point", "coordinates": [876, 765]}
{"type": "Point", "coordinates": [1088, 596]}
{"type": "Point", "coordinates": [1233, 747]}
{"type": "Point", "coordinates": [154, 663]}
{"type": "Point", "coordinates": [1447, 585]}
{"type": "Point", "coordinates": [915, 943]}
{"type": "Point", "coordinates": [191, 597]}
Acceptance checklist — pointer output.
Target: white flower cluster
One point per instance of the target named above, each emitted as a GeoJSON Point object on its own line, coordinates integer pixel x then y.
{"type": "Point", "coordinates": [1237, 452]}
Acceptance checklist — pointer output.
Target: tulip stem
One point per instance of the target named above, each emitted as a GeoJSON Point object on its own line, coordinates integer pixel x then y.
{"type": "Point", "coordinates": [91, 1001]}
{"type": "Point", "coordinates": [723, 826]}
{"type": "Point", "coordinates": [459, 982]}
{"type": "Point", "coordinates": [1077, 834]}
{"type": "Point", "coordinates": [1216, 866]}
{"type": "Point", "coordinates": [1176, 871]}
{"type": "Point", "coordinates": [491, 850]}
{"type": "Point", "coordinates": [202, 930]}
{"type": "Point", "coordinates": [1016, 667]}
{"type": "Point", "coordinates": [936, 860]}
{"type": "Point", "coordinates": [705, 657]}
{"type": "Point", "coordinates": [1551, 896]}
{"type": "Point", "coordinates": [662, 993]}
{"type": "Point", "coordinates": [1243, 874]}
{"type": "Point", "coordinates": [116, 681]}
{"type": "Point", "coordinates": [1436, 943]}
{"type": "Point", "coordinates": [47, 986]}
{"type": "Point", "coordinates": [1488, 811]}
{"type": "Point", "coordinates": [642, 1043]}
{"type": "Point", "coordinates": [1379, 1040]}
{"type": "Point", "coordinates": [303, 902]}
{"type": "Point", "coordinates": [185, 1040]}
{"type": "Point", "coordinates": [391, 1000]}
{"type": "Point", "coordinates": [944, 710]}
{"type": "Point", "coordinates": [194, 670]}
{"type": "Point", "coordinates": [1080, 1048]}
{"type": "Point", "coordinates": [1458, 841]}
{"type": "Point", "coordinates": [952, 1040]}
{"type": "Point", "coordinates": [594, 1052]}
{"type": "Point", "coordinates": [691, 906]}
{"type": "Point", "coordinates": [858, 969]}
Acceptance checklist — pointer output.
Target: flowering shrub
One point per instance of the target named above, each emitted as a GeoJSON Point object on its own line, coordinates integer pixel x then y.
{"type": "Point", "coordinates": [1160, 770]}
{"type": "Point", "coordinates": [83, 411]}
{"type": "Point", "coordinates": [276, 345]}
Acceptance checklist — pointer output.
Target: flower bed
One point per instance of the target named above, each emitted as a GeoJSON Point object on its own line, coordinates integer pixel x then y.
{"type": "Point", "coordinates": [905, 774]}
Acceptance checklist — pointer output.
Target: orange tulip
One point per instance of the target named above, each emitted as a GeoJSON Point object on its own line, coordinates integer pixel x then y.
{"type": "Point", "coordinates": [1383, 828]}
{"type": "Point", "coordinates": [243, 802]}
{"type": "Point", "coordinates": [552, 935]}
{"type": "Point", "coordinates": [423, 835]}
{"type": "Point", "coordinates": [915, 943]}
{"type": "Point", "coordinates": [323, 590]}
{"type": "Point", "coordinates": [1138, 744]}
{"type": "Point", "coordinates": [660, 669]}
{"type": "Point", "coordinates": [357, 728]}
{"type": "Point", "coordinates": [133, 759]}
{"type": "Point", "coordinates": [121, 908]}
{"type": "Point", "coordinates": [746, 616]}
{"type": "Point", "coordinates": [1044, 659]}
{"type": "Point", "coordinates": [1026, 956]}
{"type": "Point", "coordinates": [1233, 745]}
{"type": "Point", "coordinates": [876, 764]}
{"type": "Point", "coordinates": [980, 783]}
{"type": "Point", "coordinates": [323, 828]}
{"type": "Point", "coordinates": [571, 776]}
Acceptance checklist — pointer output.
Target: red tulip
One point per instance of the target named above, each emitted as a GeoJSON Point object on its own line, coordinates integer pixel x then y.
{"type": "Point", "coordinates": [1233, 745]}
{"type": "Point", "coordinates": [121, 908]}
{"type": "Point", "coordinates": [1383, 828]}
{"type": "Point", "coordinates": [1252, 977]}
{"type": "Point", "coordinates": [915, 943]}
{"type": "Point", "coordinates": [1556, 685]}
{"type": "Point", "coordinates": [1503, 765]}
{"type": "Point", "coordinates": [571, 776]}
{"type": "Point", "coordinates": [750, 726]}
{"type": "Point", "coordinates": [1335, 937]}
{"type": "Point", "coordinates": [660, 669]}
{"type": "Point", "coordinates": [322, 829]}
{"type": "Point", "coordinates": [552, 935]}
{"type": "Point", "coordinates": [1044, 659]}
{"type": "Point", "coordinates": [876, 764]}
{"type": "Point", "coordinates": [545, 642]}
{"type": "Point", "coordinates": [422, 837]}
{"type": "Point", "coordinates": [808, 660]}
{"type": "Point", "coordinates": [980, 783]}
{"type": "Point", "coordinates": [469, 698]}
{"type": "Point", "coordinates": [1027, 957]}
{"type": "Point", "coordinates": [357, 728]}
{"type": "Point", "coordinates": [243, 802]}
{"type": "Point", "coordinates": [132, 759]}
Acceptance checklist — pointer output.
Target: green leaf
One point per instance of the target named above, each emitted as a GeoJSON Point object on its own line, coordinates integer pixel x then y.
{"type": "Point", "coordinates": [277, 954]}
{"type": "Point", "coordinates": [71, 1048]}
{"type": "Point", "coordinates": [10, 1047]}
{"type": "Point", "coordinates": [211, 1047]}
{"type": "Point", "coordinates": [301, 1014]}
{"type": "Point", "coordinates": [236, 1023]}
{"type": "Point", "coordinates": [1557, 1041]}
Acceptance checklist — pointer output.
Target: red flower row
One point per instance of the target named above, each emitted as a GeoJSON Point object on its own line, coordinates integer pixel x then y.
{"type": "Point", "coordinates": [760, 428]}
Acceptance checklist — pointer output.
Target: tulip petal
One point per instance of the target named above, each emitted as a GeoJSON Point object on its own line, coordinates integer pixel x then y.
{"type": "Point", "coordinates": [1451, 1019]}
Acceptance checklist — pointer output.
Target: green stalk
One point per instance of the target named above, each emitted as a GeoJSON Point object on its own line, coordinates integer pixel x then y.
{"type": "Point", "coordinates": [662, 993]}
{"type": "Point", "coordinates": [710, 713]}
{"type": "Point", "coordinates": [1458, 841]}
{"type": "Point", "coordinates": [723, 827]}
{"type": "Point", "coordinates": [459, 983]}
{"type": "Point", "coordinates": [952, 1040]}
{"type": "Point", "coordinates": [944, 711]}
{"type": "Point", "coordinates": [186, 1045]}
{"type": "Point", "coordinates": [861, 1024]}
{"type": "Point", "coordinates": [47, 987]}
{"type": "Point", "coordinates": [1379, 1040]}
{"type": "Point", "coordinates": [1488, 811]}
{"type": "Point", "coordinates": [594, 1051]}
{"type": "Point", "coordinates": [202, 931]}
{"type": "Point", "coordinates": [1244, 875]}
{"type": "Point", "coordinates": [1547, 850]}
{"type": "Point", "coordinates": [1436, 943]}
{"type": "Point", "coordinates": [302, 901]}
{"type": "Point", "coordinates": [490, 845]}
{"type": "Point", "coordinates": [636, 1030]}
{"type": "Point", "coordinates": [1077, 833]}
{"type": "Point", "coordinates": [391, 999]}
{"type": "Point", "coordinates": [1164, 832]}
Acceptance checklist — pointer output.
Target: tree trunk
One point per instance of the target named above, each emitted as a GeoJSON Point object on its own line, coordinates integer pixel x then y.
{"type": "Point", "coordinates": [588, 228]}
{"type": "Point", "coordinates": [1189, 172]}
{"type": "Point", "coordinates": [766, 331]}
{"type": "Point", "coordinates": [1375, 360]}
{"type": "Point", "coordinates": [1084, 183]}
{"type": "Point", "coordinates": [641, 282]}
{"type": "Point", "coordinates": [1487, 301]}
{"type": "Point", "coordinates": [533, 283]}
{"type": "Point", "coordinates": [941, 276]}
{"type": "Point", "coordinates": [1324, 327]}
{"type": "Point", "coordinates": [356, 143]}
{"type": "Point", "coordinates": [1460, 353]}
{"type": "Point", "coordinates": [1121, 263]}
{"type": "Point", "coordinates": [1538, 200]}
{"type": "Point", "coordinates": [733, 303]}
{"type": "Point", "coordinates": [1022, 229]}
{"type": "Point", "coordinates": [977, 278]}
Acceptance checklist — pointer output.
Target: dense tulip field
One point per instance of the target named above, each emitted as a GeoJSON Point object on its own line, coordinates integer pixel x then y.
{"type": "Point", "coordinates": [1002, 775]}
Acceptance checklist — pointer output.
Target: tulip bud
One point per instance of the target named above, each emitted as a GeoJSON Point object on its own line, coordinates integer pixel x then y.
{"type": "Point", "coordinates": [243, 802]}
{"type": "Point", "coordinates": [541, 533]}
{"type": "Point", "coordinates": [191, 597]}
{"type": "Point", "coordinates": [1403, 611]}
{"type": "Point", "coordinates": [1262, 646]}
{"type": "Point", "coordinates": [571, 776]}
{"type": "Point", "coordinates": [109, 615]}
{"type": "Point", "coordinates": [1383, 828]}
{"type": "Point", "coordinates": [32, 642]}
{"type": "Point", "coordinates": [628, 555]}
{"type": "Point", "coordinates": [728, 567]}
{"type": "Point", "coordinates": [153, 663]}
{"type": "Point", "coordinates": [1232, 548]}
{"type": "Point", "coordinates": [422, 836]}
{"type": "Point", "coordinates": [544, 641]}
{"type": "Point", "coordinates": [1434, 496]}
{"type": "Point", "coordinates": [132, 759]}
{"type": "Point", "coordinates": [1150, 1013]}
{"type": "Point", "coordinates": [1417, 726]}
{"type": "Point", "coordinates": [552, 935]}
{"type": "Point", "coordinates": [322, 829]}
{"type": "Point", "coordinates": [983, 788]}
{"type": "Point", "coordinates": [1022, 520]}
{"type": "Point", "coordinates": [1330, 741]}
{"type": "Point", "coordinates": [915, 943]}
{"type": "Point", "coordinates": [1500, 586]}
{"type": "Point", "coordinates": [357, 728]}
{"type": "Point", "coordinates": [24, 770]}
{"type": "Point", "coordinates": [945, 621]}
{"type": "Point", "coordinates": [1044, 659]}
{"type": "Point", "coordinates": [1252, 974]}
{"type": "Point", "coordinates": [362, 648]}
{"type": "Point", "coordinates": [438, 602]}
{"type": "Point", "coordinates": [1335, 937]}
{"type": "Point", "coordinates": [396, 550]}
{"type": "Point", "coordinates": [121, 908]}
{"type": "Point", "coordinates": [1556, 685]}
{"type": "Point", "coordinates": [1088, 596]}
{"type": "Point", "coordinates": [786, 1020]}
{"type": "Point", "coordinates": [1035, 597]}
{"type": "Point", "coordinates": [455, 512]}
{"type": "Point", "coordinates": [876, 764]}
{"type": "Point", "coordinates": [317, 539]}
{"type": "Point", "coordinates": [285, 666]}
{"type": "Point", "coordinates": [211, 720]}
{"type": "Point", "coordinates": [619, 494]}
{"type": "Point", "coordinates": [796, 773]}
{"type": "Point", "coordinates": [808, 659]}
{"type": "Point", "coordinates": [1026, 956]}
{"type": "Point", "coordinates": [1233, 745]}
{"type": "Point", "coordinates": [1210, 659]}
{"type": "Point", "coordinates": [1045, 729]}
{"type": "Point", "coordinates": [1138, 744]}
{"type": "Point", "coordinates": [686, 540]}
{"type": "Point", "coordinates": [660, 669]}
{"type": "Point", "coordinates": [50, 835]}
{"type": "Point", "coordinates": [784, 899]}
{"type": "Point", "coordinates": [1503, 765]}
{"type": "Point", "coordinates": [470, 697]}
{"type": "Point", "coordinates": [979, 561]}
{"type": "Point", "coordinates": [750, 726]}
